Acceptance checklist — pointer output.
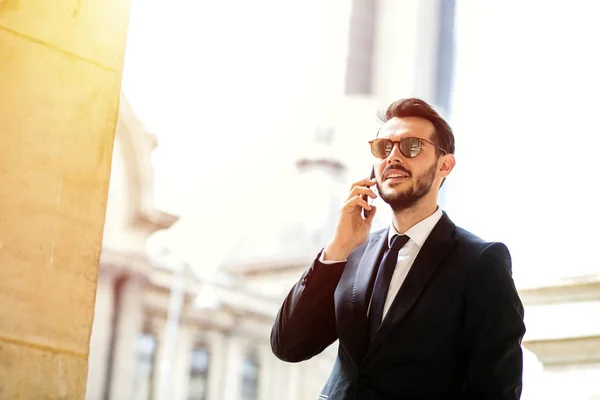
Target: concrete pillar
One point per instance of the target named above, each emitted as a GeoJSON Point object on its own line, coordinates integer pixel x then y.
{"type": "Point", "coordinates": [280, 376]}
{"type": "Point", "coordinates": [293, 381]}
{"type": "Point", "coordinates": [233, 375]}
{"type": "Point", "coordinates": [267, 367]}
{"type": "Point", "coordinates": [217, 367]}
{"type": "Point", "coordinates": [181, 367]}
{"type": "Point", "coordinates": [404, 67]}
{"type": "Point", "coordinates": [158, 358]}
{"type": "Point", "coordinates": [129, 325]}
{"type": "Point", "coordinates": [102, 330]}
{"type": "Point", "coordinates": [60, 81]}
{"type": "Point", "coordinates": [305, 386]}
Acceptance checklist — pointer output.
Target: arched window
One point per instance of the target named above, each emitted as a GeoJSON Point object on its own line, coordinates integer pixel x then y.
{"type": "Point", "coordinates": [199, 364]}
{"type": "Point", "coordinates": [250, 374]}
{"type": "Point", "coordinates": [146, 345]}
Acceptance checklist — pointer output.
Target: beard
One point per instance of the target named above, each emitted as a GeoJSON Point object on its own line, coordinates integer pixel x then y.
{"type": "Point", "coordinates": [408, 198]}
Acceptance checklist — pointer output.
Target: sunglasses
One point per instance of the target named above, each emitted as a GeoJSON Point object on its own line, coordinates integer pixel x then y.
{"type": "Point", "coordinates": [410, 147]}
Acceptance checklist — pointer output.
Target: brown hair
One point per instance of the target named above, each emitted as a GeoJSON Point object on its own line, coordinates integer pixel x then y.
{"type": "Point", "coordinates": [413, 107]}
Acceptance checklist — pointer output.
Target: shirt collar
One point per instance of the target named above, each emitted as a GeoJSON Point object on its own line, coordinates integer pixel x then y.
{"type": "Point", "coordinates": [418, 232]}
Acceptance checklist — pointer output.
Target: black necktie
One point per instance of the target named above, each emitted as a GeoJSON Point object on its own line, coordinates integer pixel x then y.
{"type": "Point", "coordinates": [382, 283]}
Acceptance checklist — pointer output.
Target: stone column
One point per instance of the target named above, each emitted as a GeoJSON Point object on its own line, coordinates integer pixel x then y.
{"type": "Point", "coordinates": [293, 387]}
{"type": "Point", "coordinates": [405, 42]}
{"type": "Point", "coordinates": [233, 370]}
{"type": "Point", "coordinates": [159, 331]}
{"type": "Point", "coordinates": [173, 367]}
{"type": "Point", "coordinates": [102, 330]}
{"type": "Point", "coordinates": [60, 81]}
{"type": "Point", "coordinates": [217, 367]}
{"type": "Point", "coordinates": [167, 356]}
{"type": "Point", "coordinates": [267, 367]}
{"type": "Point", "coordinates": [279, 390]}
{"type": "Point", "coordinates": [181, 367]}
{"type": "Point", "coordinates": [305, 387]}
{"type": "Point", "coordinates": [129, 325]}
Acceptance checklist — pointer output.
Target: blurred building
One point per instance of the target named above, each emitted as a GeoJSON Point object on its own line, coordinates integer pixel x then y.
{"type": "Point", "coordinates": [160, 331]}
{"type": "Point", "coordinates": [124, 268]}
{"type": "Point", "coordinates": [163, 331]}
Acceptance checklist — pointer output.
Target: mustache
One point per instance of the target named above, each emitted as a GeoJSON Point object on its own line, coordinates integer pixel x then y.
{"type": "Point", "coordinates": [396, 167]}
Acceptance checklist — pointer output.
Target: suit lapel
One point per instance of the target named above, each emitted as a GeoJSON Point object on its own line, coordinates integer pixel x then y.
{"type": "Point", "coordinates": [352, 315]}
{"type": "Point", "coordinates": [435, 248]}
{"type": "Point", "coordinates": [365, 272]}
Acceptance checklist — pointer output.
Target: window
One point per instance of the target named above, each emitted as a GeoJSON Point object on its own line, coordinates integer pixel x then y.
{"type": "Point", "coordinates": [144, 367]}
{"type": "Point", "coordinates": [250, 374]}
{"type": "Point", "coordinates": [199, 364]}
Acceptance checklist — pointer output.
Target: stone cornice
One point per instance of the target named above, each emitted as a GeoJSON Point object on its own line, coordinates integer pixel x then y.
{"type": "Point", "coordinates": [114, 262]}
{"type": "Point", "coordinates": [266, 267]}
{"type": "Point", "coordinates": [154, 220]}
{"type": "Point", "coordinates": [566, 351]}
{"type": "Point", "coordinates": [568, 291]}
{"type": "Point", "coordinates": [237, 306]}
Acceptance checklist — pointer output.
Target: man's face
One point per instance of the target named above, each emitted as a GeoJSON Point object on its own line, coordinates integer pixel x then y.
{"type": "Point", "coordinates": [419, 173]}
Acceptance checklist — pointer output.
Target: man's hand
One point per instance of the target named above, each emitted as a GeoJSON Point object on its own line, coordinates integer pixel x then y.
{"type": "Point", "coordinates": [352, 229]}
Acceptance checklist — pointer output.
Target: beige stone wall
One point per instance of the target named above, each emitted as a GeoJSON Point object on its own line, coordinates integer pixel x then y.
{"type": "Point", "coordinates": [60, 78]}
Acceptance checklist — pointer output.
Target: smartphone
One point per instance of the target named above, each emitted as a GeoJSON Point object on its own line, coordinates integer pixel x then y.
{"type": "Point", "coordinates": [365, 197]}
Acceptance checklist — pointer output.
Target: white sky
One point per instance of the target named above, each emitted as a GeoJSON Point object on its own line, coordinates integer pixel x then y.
{"type": "Point", "coordinates": [198, 71]}
{"type": "Point", "coordinates": [202, 73]}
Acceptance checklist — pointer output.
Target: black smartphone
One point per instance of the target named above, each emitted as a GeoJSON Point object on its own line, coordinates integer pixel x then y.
{"type": "Point", "coordinates": [365, 197]}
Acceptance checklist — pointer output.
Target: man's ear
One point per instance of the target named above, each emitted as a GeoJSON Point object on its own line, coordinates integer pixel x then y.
{"type": "Point", "coordinates": [446, 165]}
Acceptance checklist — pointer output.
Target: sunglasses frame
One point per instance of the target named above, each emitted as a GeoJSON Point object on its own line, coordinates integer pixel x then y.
{"type": "Point", "coordinates": [397, 142]}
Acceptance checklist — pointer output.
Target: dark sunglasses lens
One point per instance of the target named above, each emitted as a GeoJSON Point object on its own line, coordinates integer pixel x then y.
{"type": "Point", "coordinates": [410, 147]}
{"type": "Point", "coordinates": [381, 148]}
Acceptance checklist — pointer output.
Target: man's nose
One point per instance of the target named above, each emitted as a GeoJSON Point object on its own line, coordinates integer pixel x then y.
{"type": "Point", "coordinates": [395, 155]}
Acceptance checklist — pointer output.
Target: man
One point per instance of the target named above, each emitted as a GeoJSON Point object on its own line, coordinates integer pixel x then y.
{"type": "Point", "coordinates": [422, 309]}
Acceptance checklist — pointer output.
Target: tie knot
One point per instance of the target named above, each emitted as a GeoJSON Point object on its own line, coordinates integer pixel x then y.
{"type": "Point", "coordinates": [398, 241]}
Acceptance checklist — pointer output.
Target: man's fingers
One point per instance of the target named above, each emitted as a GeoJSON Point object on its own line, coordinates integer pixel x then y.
{"type": "Point", "coordinates": [371, 213]}
{"type": "Point", "coordinates": [355, 201]}
{"type": "Point", "coordinates": [363, 182]}
{"type": "Point", "coordinates": [361, 190]}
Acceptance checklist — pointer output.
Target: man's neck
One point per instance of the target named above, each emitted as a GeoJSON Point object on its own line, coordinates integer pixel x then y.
{"type": "Point", "coordinates": [406, 219]}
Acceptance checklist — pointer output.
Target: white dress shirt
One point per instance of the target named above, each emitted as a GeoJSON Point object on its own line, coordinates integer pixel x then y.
{"type": "Point", "coordinates": [407, 255]}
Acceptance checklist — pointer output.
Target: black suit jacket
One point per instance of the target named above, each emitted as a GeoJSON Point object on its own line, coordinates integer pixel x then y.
{"type": "Point", "coordinates": [453, 331]}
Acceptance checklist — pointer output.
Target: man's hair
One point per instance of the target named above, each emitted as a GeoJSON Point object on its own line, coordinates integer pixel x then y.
{"type": "Point", "coordinates": [413, 107]}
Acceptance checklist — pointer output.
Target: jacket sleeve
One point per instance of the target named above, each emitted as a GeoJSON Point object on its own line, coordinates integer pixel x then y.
{"type": "Point", "coordinates": [305, 324]}
{"type": "Point", "coordinates": [494, 328]}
